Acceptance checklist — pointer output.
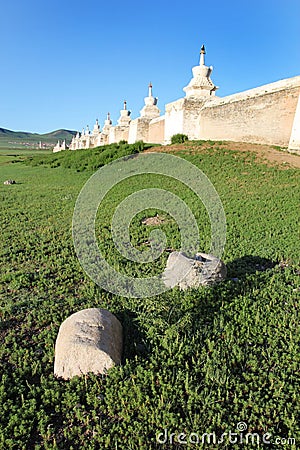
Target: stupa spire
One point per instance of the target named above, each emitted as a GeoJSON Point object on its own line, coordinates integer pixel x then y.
{"type": "Point", "coordinates": [202, 57]}
{"type": "Point", "coordinates": [150, 90]}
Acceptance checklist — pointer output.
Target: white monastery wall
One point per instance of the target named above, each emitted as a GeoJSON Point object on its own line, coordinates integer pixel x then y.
{"type": "Point", "coordinates": [294, 144]}
{"type": "Point", "coordinates": [191, 123]}
{"type": "Point", "coordinates": [174, 119]}
{"type": "Point", "coordinates": [138, 130]}
{"type": "Point", "coordinates": [118, 133]}
{"type": "Point", "coordinates": [260, 115]}
{"type": "Point", "coordinates": [157, 130]}
{"type": "Point", "coordinates": [268, 114]}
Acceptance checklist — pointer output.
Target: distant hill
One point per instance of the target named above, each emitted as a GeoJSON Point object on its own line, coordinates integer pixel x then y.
{"type": "Point", "coordinates": [59, 134]}
{"type": "Point", "coordinates": [17, 139]}
{"type": "Point", "coordinates": [15, 134]}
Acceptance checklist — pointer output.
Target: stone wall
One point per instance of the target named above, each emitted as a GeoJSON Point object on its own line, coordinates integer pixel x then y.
{"type": "Point", "coordinates": [191, 123]}
{"type": "Point", "coordinates": [174, 119]}
{"type": "Point", "coordinates": [157, 130]}
{"type": "Point", "coordinates": [118, 133]}
{"type": "Point", "coordinates": [268, 115]}
{"type": "Point", "coordinates": [139, 130]}
{"type": "Point", "coordinates": [294, 144]}
{"type": "Point", "coordinates": [260, 115]}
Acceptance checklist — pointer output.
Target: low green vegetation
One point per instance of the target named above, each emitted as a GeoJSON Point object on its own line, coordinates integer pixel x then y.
{"type": "Point", "coordinates": [199, 361]}
{"type": "Point", "coordinates": [179, 138]}
{"type": "Point", "coordinates": [89, 159]}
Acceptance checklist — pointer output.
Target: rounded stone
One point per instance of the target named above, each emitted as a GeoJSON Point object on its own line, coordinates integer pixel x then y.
{"type": "Point", "coordinates": [90, 340]}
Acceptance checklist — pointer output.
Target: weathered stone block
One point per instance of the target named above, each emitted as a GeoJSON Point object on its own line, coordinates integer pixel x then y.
{"type": "Point", "coordinates": [88, 341]}
{"type": "Point", "coordinates": [203, 270]}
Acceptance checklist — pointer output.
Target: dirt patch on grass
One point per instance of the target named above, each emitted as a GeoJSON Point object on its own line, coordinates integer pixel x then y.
{"type": "Point", "coordinates": [264, 153]}
{"type": "Point", "coordinates": [267, 154]}
{"type": "Point", "coordinates": [156, 220]}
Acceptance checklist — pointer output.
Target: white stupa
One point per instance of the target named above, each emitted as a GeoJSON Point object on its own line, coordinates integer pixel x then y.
{"type": "Point", "coordinates": [201, 84]}
{"type": "Point", "coordinates": [96, 129]}
{"type": "Point", "coordinates": [150, 110]}
{"type": "Point", "coordinates": [124, 119]}
{"type": "Point", "coordinates": [107, 124]}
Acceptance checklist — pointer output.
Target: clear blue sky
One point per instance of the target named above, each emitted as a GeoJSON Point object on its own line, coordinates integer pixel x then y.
{"type": "Point", "coordinates": [65, 63]}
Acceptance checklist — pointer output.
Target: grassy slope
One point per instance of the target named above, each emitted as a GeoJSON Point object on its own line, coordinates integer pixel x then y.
{"type": "Point", "coordinates": [196, 361]}
{"type": "Point", "coordinates": [18, 139]}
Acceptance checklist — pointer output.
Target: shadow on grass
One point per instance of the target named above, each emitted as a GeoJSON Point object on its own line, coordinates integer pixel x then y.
{"type": "Point", "coordinates": [248, 265]}
{"type": "Point", "coordinates": [135, 342]}
{"type": "Point", "coordinates": [205, 304]}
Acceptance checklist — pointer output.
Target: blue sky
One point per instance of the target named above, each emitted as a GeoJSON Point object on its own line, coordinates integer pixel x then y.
{"type": "Point", "coordinates": [64, 64]}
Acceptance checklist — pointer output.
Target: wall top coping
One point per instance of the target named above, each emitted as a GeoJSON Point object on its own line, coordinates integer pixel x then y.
{"type": "Point", "coordinates": [158, 119]}
{"type": "Point", "coordinates": [276, 86]}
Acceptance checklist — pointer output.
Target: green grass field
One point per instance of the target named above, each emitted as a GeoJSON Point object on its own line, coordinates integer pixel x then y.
{"type": "Point", "coordinates": [12, 155]}
{"type": "Point", "coordinates": [195, 362]}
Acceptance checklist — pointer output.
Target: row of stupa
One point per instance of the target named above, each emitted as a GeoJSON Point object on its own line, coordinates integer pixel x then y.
{"type": "Point", "coordinates": [109, 133]}
{"type": "Point", "coordinates": [268, 114]}
{"type": "Point", "coordinates": [147, 127]}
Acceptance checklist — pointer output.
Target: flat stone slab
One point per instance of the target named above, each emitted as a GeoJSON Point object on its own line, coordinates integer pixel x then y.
{"type": "Point", "coordinates": [90, 340]}
{"type": "Point", "coordinates": [202, 270]}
